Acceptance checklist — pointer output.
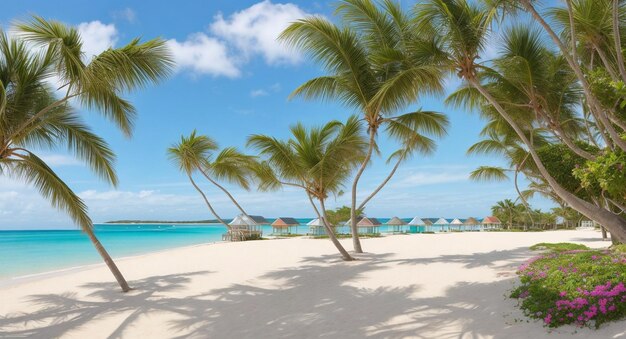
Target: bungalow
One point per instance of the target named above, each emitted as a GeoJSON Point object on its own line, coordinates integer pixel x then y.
{"type": "Point", "coordinates": [396, 224]}
{"type": "Point", "coordinates": [285, 225]}
{"type": "Point", "coordinates": [491, 222]}
{"type": "Point", "coordinates": [368, 226]}
{"type": "Point", "coordinates": [246, 227]}
{"type": "Point", "coordinates": [417, 225]}
{"type": "Point", "coordinates": [472, 224]}
{"type": "Point", "coordinates": [456, 224]}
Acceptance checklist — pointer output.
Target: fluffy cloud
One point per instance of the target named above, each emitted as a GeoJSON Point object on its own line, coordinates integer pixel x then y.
{"type": "Point", "coordinates": [126, 14]}
{"type": "Point", "coordinates": [255, 29]}
{"type": "Point", "coordinates": [97, 37]}
{"type": "Point", "coordinates": [205, 55]}
{"type": "Point", "coordinates": [56, 160]}
{"type": "Point", "coordinates": [233, 40]}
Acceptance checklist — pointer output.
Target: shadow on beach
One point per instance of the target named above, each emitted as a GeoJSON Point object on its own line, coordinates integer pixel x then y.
{"type": "Point", "coordinates": [312, 301]}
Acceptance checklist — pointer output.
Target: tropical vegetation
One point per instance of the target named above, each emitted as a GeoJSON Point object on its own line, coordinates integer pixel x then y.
{"type": "Point", "coordinates": [571, 284]}
{"type": "Point", "coordinates": [318, 161]}
{"type": "Point", "coordinates": [45, 77]}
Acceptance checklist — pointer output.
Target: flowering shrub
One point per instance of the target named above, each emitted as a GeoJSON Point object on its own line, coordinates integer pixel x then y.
{"type": "Point", "coordinates": [581, 287]}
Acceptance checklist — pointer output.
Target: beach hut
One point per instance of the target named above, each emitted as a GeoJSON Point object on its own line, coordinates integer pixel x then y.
{"type": "Point", "coordinates": [443, 224]}
{"type": "Point", "coordinates": [491, 222]}
{"type": "Point", "coordinates": [396, 224]}
{"type": "Point", "coordinates": [417, 225]}
{"type": "Point", "coordinates": [472, 224]}
{"type": "Point", "coordinates": [368, 226]}
{"type": "Point", "coordinates": [247, 227]}
{"type": "Point", "coordinates": [456, 224]}
{"type": "Point", "coordinates": [285, 225]}
{"type": "Point", "coordinates": [316, 227]}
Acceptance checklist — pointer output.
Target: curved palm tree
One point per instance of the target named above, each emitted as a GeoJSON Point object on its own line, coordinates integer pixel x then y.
{"type": "Point", "coordinates": [463, 27]}
{"type": "Point", "coordinates": [317, 160]}
{"type": "Point", "coordinates": [377, 62]}
{"type": "Point", "coordinates": [190, 155]}
{"type": "Point", "coordinates": [32, 117]}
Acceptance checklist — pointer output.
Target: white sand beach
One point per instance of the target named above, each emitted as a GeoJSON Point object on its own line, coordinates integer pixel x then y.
{"type": "Point", "coordinates": [407, 286]}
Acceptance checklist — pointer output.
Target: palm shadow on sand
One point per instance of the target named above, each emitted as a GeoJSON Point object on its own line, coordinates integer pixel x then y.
{"type": "Point", "coordinates": [312, 301]}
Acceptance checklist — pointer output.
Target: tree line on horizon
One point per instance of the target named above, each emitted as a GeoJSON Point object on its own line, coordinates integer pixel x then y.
{"type": "Point", "coordinates": [553, 98]}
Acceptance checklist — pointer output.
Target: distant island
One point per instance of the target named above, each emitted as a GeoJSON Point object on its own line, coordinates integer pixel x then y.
{"type": "Point", "coordinates": [210, 221]}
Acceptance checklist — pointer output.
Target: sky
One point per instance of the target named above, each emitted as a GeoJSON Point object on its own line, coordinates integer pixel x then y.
{"type": "Point", "coordinates": [232, 79]}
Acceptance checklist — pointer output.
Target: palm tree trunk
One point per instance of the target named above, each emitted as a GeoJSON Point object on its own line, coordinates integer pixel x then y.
{"type": "Point", "coordinates": [618, 42]}
{"type": "Point", "coordinates": [596, 108]}
{"type": "Point", "coordinates": [206, 201]}
{"type": "Point", "coordinates": [107, 260]}
{"type": "Point", "coordinates": [606, 62]}
{"type": "Point", "coordinates": [331, 234]}
{"type": "Point", "coordinates": [225, 191]}
{"type": "Point", "coordinates": [532, 221]}
{"type": "Point", "coordinates": [355, 235]}
{"type": "Point", "coordinates": [393, 171]}
{"type": "Point", "coordinates": [616, 224]}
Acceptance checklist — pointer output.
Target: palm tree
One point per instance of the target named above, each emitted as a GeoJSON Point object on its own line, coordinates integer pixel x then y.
{"type": "Point", "coordinates": [190, 155]}
{"type": "Point", "coordinates": [196, 153]}
{"type": "Point", "coordinates": [317, 160]}
{"type": "Point", "coordinates": [376, 62]}
{"type": "Point", "coordinates": [462, 27]}
{"type": "Point", "coordinates": [32, 117]}
{"type": "Point", "coordinates": [506, 208]}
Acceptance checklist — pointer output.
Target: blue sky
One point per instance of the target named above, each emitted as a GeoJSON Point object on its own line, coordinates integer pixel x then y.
{"type": "Point", "coordinates": [232, 80]}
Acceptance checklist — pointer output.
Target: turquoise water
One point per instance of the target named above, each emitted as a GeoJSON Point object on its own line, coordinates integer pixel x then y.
{"type": "Point", "coordinates": [29, 252]}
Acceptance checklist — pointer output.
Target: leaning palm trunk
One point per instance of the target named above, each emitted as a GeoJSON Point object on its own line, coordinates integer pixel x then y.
{"type": "Point", "coordinates": [208, 204]}
{"type": "Point", "coordinates": [617, 40]}
{"type": "Point", "coordinates": [615, 224]}
{"type": "Point", "coordinates": [230, 196]}
{"type": "Point", "coordinates": [107, 260]}
{"type": "Point", "coordinates": [380, 187]}
{"type": "Point", "coordinates": [331, 234]}
{"type": "Point", "coordinates": [355, 234]}
{"type": "Point", "coordinates": [594, 105]}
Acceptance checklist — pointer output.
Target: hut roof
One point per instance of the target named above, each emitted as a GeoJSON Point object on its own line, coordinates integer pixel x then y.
{"type": "Point", "coordinates": [417, 222]}
{"type": "Point", "coordinates": [456, 222]}
{"type": "Point", "coordinates": [283, 221]}
{"type": "Point", "coordinates": [315, 222]}
{"type": "Point", "coordinates": [253, 220]}
{"type": "Point", "coordinates": [491, 220]}
{"type": "Point", "coordinates": [368, 222]}
{"type": "Point", "coordinates": [395, 221]}
{"type": "Point", "coordinates": [358, 219]}
{"type": "Point", "coordinates": [471, 221]}
{"type": "Point", "coordinates": [441, 221]}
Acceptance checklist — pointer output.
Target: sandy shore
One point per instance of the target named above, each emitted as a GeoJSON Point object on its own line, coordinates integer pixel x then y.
{"type": "Point", "coordinates": [422, 286]}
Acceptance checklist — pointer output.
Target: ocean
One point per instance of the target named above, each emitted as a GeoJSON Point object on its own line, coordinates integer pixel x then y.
{"type": "Point", "coordinates": [26, 252]}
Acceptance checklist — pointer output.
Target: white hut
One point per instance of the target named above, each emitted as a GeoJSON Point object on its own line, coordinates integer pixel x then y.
{"type": "Point", "coordinates": [247, 227]}
{"type": "Point", "coordinates": [316, 227]}
{"type": "Point", "coordinates": [443, 224]}
{"type": "Point", "coordinates": [396, 224]}
{"type": "Point", "coordinates": [456, 224]}
{"type": "Point", "coordinates": [417, 225]}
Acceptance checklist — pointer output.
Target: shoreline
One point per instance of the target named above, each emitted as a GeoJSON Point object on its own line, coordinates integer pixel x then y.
{"type": "Point", "coordinates": [433, 286]}
{"type": "Point", "coordinates": [27, 278]}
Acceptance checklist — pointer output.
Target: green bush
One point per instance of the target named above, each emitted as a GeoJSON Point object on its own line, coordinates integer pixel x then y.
{"type": "Point", "coordinates": [558, 247]}
{"type": "Point", "coordinates": [581, 287]}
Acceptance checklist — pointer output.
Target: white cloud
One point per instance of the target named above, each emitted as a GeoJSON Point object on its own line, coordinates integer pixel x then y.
{"type": "Point", "coordinates": [56, 160]}
{"type": "Point", "coordinates": [205, 55]}
{"type": "Point", "coordinates": [258, 93]}
{"type": "Point", "coordinates": [97, 37]}
{"type": "Point", "coordinates": [431, 178]}
{"type": "Point", "coordinates": [127, 14]}
{"type": "Point", "coordinates": [255, 30]}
